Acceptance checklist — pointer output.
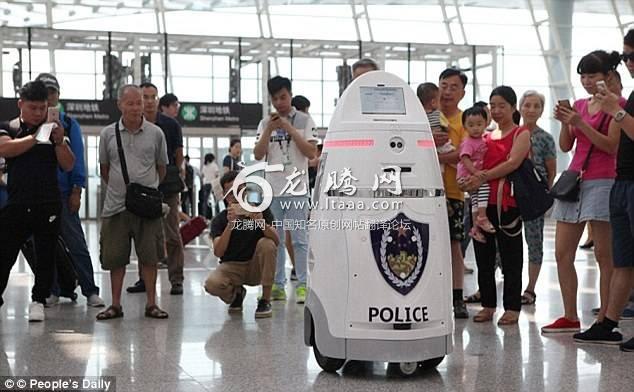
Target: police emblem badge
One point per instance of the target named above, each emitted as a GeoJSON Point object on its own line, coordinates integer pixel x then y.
{"type": "Point", "coordinates": [400, 248]}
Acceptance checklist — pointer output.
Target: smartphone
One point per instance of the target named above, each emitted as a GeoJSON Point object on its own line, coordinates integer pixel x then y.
{"type": "Point", "coordinates": [53, 114]}
{"type": "Point", "coordinates": [601, 85]}
{"type": "Point", "coordinates": [254, 198]}
{"type": "Point", "coordinates": [564, 103]}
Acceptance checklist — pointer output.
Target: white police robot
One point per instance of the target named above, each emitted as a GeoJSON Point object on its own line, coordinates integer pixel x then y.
{"type": "Point", "coordinates": [379, 259]}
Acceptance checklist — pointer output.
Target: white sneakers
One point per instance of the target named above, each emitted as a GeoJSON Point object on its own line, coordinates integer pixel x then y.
{"type": "Point", "coordinates": [36, 312]}
{"type": "Point", "coordinates": [95, 301]}
{"type": "Point", "coordinates": [36, 309]}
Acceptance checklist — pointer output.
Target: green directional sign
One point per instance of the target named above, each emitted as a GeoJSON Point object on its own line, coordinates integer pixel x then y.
{"type": "Point", "coordinates": [189, 112]}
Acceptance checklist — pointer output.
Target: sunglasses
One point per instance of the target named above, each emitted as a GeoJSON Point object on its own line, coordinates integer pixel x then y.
{"type": "Point", "coordinates": [627, 57]}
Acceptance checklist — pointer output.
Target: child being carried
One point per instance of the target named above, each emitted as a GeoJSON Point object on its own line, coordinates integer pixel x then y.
{"type": "Point", "coordinates": [472, 151]}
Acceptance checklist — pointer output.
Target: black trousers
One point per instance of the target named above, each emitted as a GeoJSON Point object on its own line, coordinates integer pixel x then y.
{"type": "Point", "coordinates": [17, 224]}
{"type": "Point", "coordinates": [511, 253]}
{"type": "Point", "coordinates": [187, 202]}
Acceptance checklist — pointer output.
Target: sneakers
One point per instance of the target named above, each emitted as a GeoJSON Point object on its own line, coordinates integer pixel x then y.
{"type": "Point", "coordinates": [236, 305]}
{"type": "Point", "coordinates": [95, 301]}
{"type": "Point", "coordinates": [177, 289]}
{"type": "Point", "coordinates": [627, 346]}
{"type": "Point", "coordinates": [599, 333]}
{"type": "Point", "coordinates": [36, 312]}
{"type": "Point", "coordinates": [138, 287]}
{"type": "Point", "coordinates": [264, 309]}
{"type": "Point", "coordinates": [52, 300]}
{"type": "Point", "coordinates": [293, 275]}
{"type": "Point", "coordinates": [562, 325]}
{"type": "Point", "coordinates": [278, 293]}
{"type": "Point", "coordinates": [300, 294]}
{"type": "Point", "coordinates": [460, 309]}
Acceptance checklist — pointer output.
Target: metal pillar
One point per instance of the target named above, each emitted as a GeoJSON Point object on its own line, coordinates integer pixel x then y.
{"type": "Point", "coordinates": [262, 10]}
{"type": "Point", "coordinates": [1, 67]}
{"type": "Point", "coordinates": [358, 14]}
{"type": "Point", "coordinates": [166, 61]}
{"type": "Point", "coordinates": [617, 15]}
{"type": "Point", "coordinates": [137, 62]}
{"type": "Point", "coordinates": [266, 31]}
{"type": "Point", "coordinates": [446, 20]}
{"type": "Point", "coordinates": [49, 24]}
{"type": "Point", "coordinates": [109, 69]}
{"type": "Point", "coordinates": [265, 78]}
{"type": "Point", "coordinates": [557, 56]}
{"type": "Point", "coordinates": [28, 44]}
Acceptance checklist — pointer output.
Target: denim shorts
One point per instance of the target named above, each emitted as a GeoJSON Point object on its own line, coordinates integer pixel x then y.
{"type": "Point", "coordinates": [592, 205]}
{"type": "Point", "coordinates": [622, 222]}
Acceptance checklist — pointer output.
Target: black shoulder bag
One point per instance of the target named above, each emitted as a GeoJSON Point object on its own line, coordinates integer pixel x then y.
{"type": "Point", "coordinates": [140, 200]}
{"type": "Point", "coordinates": [529, 189]}
{"type": "Point", "coordinates": [569, 183]}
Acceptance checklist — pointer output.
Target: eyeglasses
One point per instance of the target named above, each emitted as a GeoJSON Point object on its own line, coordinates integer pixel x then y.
{"type": "Point", "coordinates": [627, 57]}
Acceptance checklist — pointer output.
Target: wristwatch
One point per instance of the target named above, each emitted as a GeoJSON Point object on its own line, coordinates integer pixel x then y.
{"type": "Point", "coordinates": [620, 115]}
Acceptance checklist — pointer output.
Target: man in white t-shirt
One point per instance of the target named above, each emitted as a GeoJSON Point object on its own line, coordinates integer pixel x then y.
{"type": "Point", "coordinates": [288, 137]}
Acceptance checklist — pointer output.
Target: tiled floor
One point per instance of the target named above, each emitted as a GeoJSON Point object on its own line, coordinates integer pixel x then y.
{"type": "Point", "coordinates": [202, 348]}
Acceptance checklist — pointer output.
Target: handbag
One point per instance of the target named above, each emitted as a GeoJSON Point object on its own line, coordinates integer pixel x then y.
{"type": "Point", "coordinates": [142, 201]}
{"type": "Point", "coordinates": [568, 184]}
{"type": "Point", "coordinates": [172, 183]}
{"type": "Point", "coordinates": [530, 191]}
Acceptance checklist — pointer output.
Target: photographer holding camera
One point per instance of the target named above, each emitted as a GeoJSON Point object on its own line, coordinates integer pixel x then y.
{"type": "Point", "coordinates": [247, 252]}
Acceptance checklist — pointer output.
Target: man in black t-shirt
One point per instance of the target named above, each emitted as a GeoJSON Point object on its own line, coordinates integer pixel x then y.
{"type": "Point", "coordinates": [246, 244]}
{"type": "Point", "coordinates": [34, 204]}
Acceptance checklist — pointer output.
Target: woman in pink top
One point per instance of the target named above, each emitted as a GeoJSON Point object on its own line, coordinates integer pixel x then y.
{"type": "Point", "coordinates": [586, 124]}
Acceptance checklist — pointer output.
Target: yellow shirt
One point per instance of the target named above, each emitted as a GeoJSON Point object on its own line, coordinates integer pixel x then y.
{"type": "Point", "coordinates": [456, 134]}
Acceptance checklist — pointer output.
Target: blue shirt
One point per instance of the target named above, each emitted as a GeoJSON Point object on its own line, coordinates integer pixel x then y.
{"type": "Point", "coordinates": [76, 177]}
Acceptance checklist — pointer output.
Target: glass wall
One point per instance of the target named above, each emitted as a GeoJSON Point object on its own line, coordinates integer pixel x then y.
{"type": "Point", "coordinates": [206, 77]}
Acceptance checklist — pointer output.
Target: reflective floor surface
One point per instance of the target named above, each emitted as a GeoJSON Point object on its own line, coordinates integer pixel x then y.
{"type": "Point", "coordinates": [202, 348]}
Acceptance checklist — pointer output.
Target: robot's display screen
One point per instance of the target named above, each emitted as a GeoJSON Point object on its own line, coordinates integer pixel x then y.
{"type": "Point", "coordinates": [382, 100]}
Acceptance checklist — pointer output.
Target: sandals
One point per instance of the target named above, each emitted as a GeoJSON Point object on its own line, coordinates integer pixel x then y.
{"type": "Point", "coordinates": [484, 223]}
{"type": "Point", "coordinates": [509, 318]}
{"type": "Point", "coordinates": [473, 298]}
{"type": "Point", "coordinates": [528, 298]}
{"type": "Point", "coordinates": [155, 312]}
{"type": "Point", "coordinates": [484, 315]}
{"type": "Point", "coordinates": [112, 312]}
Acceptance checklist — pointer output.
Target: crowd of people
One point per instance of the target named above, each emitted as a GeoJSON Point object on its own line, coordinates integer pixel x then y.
{"type": "Point", "coordinates": [477, 149]}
